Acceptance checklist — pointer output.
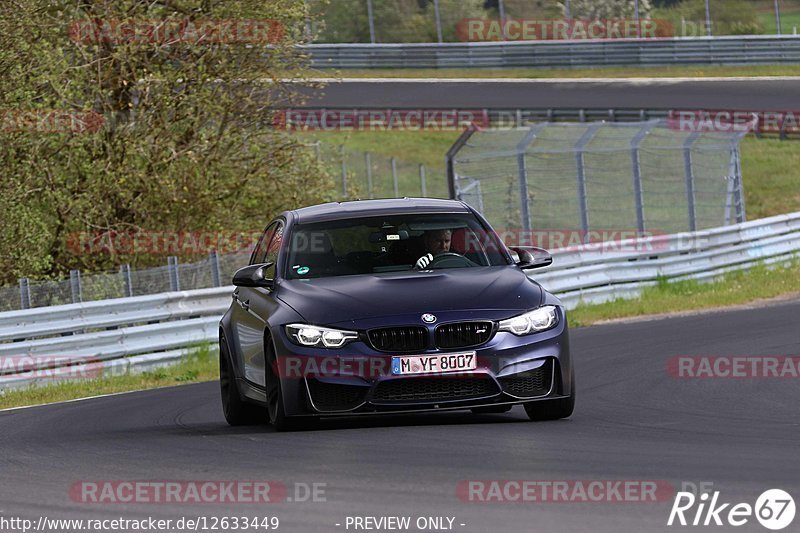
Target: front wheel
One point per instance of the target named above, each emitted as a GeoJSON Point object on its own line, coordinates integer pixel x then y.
{"type": "Point", "coordinates": [236, 411]}
{"type": "Point", "coordinates": [275, 406]}
{"type": "Point", "coordinates": [553, 409]}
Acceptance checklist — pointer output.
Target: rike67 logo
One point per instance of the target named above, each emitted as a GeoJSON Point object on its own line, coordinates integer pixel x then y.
{"type": "Point", "coordinates": [774, 509]}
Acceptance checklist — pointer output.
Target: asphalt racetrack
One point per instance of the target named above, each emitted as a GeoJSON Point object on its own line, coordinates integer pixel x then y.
{"type": "Point", "coordinates": [633, 421]}
{"type": "Point", "coordinates": [769, 94]}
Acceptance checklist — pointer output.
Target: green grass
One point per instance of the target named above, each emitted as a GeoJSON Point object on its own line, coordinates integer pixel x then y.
{"type": "Point", "coordinates": [428, 147]}
{"type": "Point", "coordinates": [201, 365]}
{"type": "Point", "coordinates": [789, 20]}
{"type": "Point", "coordinates": [739, 287]}
{"type": "Point", "coordinates": [790, 16]}
{"type": "Point", "coordinates": [601, 72]}
{"type": "Point", "coordinates": [770, 171]}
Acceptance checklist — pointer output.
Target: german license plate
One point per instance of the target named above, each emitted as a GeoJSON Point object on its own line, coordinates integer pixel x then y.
{"type": "Point", "coordinates": [434, 364]}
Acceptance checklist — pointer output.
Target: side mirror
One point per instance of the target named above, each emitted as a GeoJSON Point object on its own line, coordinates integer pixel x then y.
{"type": "Point", "coordinates": [533, 257]}
{"type": "Point", "coordinates": [253, 276]}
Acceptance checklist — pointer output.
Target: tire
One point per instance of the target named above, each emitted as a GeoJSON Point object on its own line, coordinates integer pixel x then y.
{"type": "Point", "coordinates": [237, 412]}
{"type": "Point", "coordinates": [553, 409]}
{"type": "Point", "coordinates": [492, 409]}
{"type": "Point", "coordinates": [276, 411]}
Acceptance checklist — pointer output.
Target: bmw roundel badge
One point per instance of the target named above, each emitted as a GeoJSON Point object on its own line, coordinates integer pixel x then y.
{"type": "Point", "coordinates": [428, 318]}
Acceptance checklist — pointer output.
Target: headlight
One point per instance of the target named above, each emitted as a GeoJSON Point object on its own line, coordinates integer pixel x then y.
{"type": "Point", "coordinates": [541, 319]}
{"type": "Point", "coordinates": [306, 335]}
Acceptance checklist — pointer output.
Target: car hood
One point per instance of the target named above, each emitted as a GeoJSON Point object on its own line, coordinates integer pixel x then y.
{"type": "Point", "coordinates": [347, 299]}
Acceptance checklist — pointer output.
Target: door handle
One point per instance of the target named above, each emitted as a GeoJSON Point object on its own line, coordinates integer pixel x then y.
{"type": "Point", "coordinates": [246, 305]}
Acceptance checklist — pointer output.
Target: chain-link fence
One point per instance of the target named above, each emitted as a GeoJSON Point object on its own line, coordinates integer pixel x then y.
{"type": "Point", "coordinates": [645, 177]}
{"type": "Point", "coordinates": [367, 175]}
{"type": "Point", "coordinates": [214, 271]}
{"type": "Point", "coordinates": [428, 21]}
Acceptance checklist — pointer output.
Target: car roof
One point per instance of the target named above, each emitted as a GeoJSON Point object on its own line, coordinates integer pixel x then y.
{"type": "Point", "coordinates": [365, 208]}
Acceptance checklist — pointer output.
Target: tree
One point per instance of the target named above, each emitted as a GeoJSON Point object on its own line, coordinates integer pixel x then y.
{"type": "Point", "coordinates": [187, 141]}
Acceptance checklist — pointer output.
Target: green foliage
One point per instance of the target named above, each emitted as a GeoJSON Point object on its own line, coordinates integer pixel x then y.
{"type": "Point", "coordinates": [729, 17]}
{"type": "Point", "coordinates": [187, 143]}
{"type": "Point", "coordinates": [606, 9]}
{"type": "Point", "coordinates": [346, 21]}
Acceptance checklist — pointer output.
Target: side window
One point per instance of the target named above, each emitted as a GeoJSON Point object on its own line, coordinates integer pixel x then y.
{"type": "Point", "coordinates": [261, 248]}
{"type": "Point", "coordinates": [274, 245]}
{"type": "Point", "coordinates": [272, 250]}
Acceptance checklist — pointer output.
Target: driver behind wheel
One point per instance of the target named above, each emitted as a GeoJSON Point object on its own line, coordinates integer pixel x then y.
{"type": "Point", "coordinates": [436, 242]}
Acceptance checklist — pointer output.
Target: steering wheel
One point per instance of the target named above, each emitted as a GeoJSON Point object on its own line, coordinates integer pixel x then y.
{"type": "Point", "coordinates": [449, 260]}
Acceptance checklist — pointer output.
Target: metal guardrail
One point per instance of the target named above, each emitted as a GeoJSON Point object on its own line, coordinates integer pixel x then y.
{"type": "Point", "coordinates": [106, 337]}
{"type": "Point", "coordinates": [144, 332]}
{"type": "Point", "coordinates": [560, 54]}
{"type": "Point", "coordinates": [595, 276]}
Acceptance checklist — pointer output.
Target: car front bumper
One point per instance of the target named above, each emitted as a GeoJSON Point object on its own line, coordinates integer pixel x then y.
{"type": "Point", "coordinates": [358, 380]}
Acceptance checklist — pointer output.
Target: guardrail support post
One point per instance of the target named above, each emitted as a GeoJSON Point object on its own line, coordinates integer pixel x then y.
{"type": "Point", "coordinates": [449, 160]}
{"type": "Point", "coordinates": [438, 14]}
{"type": "Point", "coordinates": [174, 279]}
{"type": "Point", "coordinates": [75, 286]}
{"type": "Point", "coordinates": [371, 18]}
{"type": "Point", "coordinates": [344, 172]}
{"type": "Point", "coordinates": [502, 11]}
{"type": "Point", "coordinates": [738, 191]}
{"type": "Point", "coordinates": [24, 294]}
{"type": "Point", "coordinates": [216, 276]}
{"type": "Point", "coordinates": [637, 175]}
{"type": "Point", "coordinates": [423, 186]}
{"type": "Point", "coordinates": [689, 175]}
{"type": "Point", "coordinates": [394, 178]}
{"type": "Point", "coordinates": [127, 280]}
{"type": "Point", "coordinates": [580, 167]}
{"type": "Point", "coordinates": [368, 164]}
{"type": "Point", "coordinates": [522, 174]}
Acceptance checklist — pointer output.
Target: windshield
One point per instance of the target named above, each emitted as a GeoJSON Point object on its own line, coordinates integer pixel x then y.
{"type": "Point", "coordinates": [391, 244]}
